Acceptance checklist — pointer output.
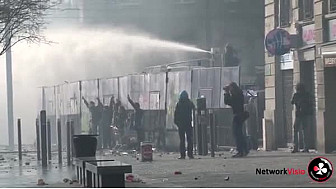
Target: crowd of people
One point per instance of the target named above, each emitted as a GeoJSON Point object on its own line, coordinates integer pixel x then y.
{"type": "Point", "coordinates": [113, 118]}
{"type": "Point", "coordinates": [115, 114]}
{"type": "Point", "coordinates": [234, 97]}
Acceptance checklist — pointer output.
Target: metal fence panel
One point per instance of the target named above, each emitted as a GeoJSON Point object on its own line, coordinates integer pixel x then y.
{"type": "Point", "coordinates": [49, 97]}
{"type": "Point", "coordinates": [177, 82]}
{"type": "Point", "coordinates": [107, 88]}
{"type": "Point", "coordinates": [206, 82]}
{"type": "Point", "coordinates": [156, 90]}
{"type": "Point", "coordinates": [134, 85]}
{"type": "Point", "coordinates": [90, 93]}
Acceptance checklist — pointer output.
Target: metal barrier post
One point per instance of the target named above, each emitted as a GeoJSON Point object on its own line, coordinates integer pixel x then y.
{"type": "Point", "coordinates": [49, 139]}
{"type": "Point", "coordinates": [44, 138]}
{"type": "Point", "coordinates": [19, 139]}
{"type": "Point", "coordinates": [59, 140]}
{"type": "Point", "coordinates": [212, 132]}
{"type": "Point", "coordinates": [38, 144]}
{"type": "Point", "coordinates": [68, 142]}
{"type": "Point", "coordinates": [72, 132]}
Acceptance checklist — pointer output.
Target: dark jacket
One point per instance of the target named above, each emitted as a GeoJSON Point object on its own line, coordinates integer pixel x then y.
{"type": "Point", "coordinates": [106, 119]}
{"type": "Point", "coordinates": [236, 101]}
{"type": "Point", "coordinates": [96, 112]}
{"type": "Point", "coordinates": [183, 113]}
{"type": "Point", "coordinates": [138, 116]}
{"type": "Point", "coordinates": [303, 104]}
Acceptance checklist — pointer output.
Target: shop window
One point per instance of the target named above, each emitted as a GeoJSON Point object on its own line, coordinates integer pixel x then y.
{"type": "Point", "coordinates": [285, 11]}
{"type": "Point", "coordinates": [332, 6]}
{"type": "Point", "coordinates": [306, 9]}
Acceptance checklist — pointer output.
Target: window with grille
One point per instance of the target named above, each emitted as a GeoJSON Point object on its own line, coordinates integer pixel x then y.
{"type": "Point", "coordinates": [332, 6]}
{"type": "Point", "coordinates": [285, 9]}
{"type": "Point", "coordinates": [306, 9]}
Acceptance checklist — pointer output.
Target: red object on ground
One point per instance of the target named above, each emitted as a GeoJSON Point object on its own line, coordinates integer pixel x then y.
{"type": "Point", "coordinates": [178, 173]}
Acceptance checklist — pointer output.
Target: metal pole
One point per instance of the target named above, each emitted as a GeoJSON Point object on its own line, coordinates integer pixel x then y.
{"type": "Point", "coordinates": [38, 144]}
{"type": "Point", "coordinates": [44, 138]}
{"type": "Point", "coordinates": [19, 139]}
{"type": "Point", "coordinates": [59, 140]}
{"type": "Point", "coordinates": [10, 97]}
{"type": "Point", "coordinates": [72, 132]}
{"type": "Point", "coordinates": [49, 139]}
{"type": "Point", "coordinates": [204, 133]}
{"type": "Point", "coordinates": [212, 134]}
{"type": "Point", "coordinates": [80, 105]}
{"type": "Point", "coordinates": [68, 142]}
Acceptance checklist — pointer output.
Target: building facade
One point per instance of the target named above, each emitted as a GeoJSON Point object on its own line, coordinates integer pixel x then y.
{"type": "Point", "coordinates": [312, 62]}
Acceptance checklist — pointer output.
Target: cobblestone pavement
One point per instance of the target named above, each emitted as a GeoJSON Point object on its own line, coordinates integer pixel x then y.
{"type": "Point", "coordinates": [203, 171]}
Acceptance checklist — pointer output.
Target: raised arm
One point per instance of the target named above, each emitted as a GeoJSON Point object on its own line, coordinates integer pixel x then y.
{"type": "Point", "coordinates": [131, 101]}
{"type": "Point", "coordinates": [100, 104]}
{"type": "Point", "coordinates": [85, 102]}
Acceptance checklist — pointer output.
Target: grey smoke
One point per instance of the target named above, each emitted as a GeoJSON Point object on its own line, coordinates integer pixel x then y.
{"type": "Point", "coordinates": [79, 54]}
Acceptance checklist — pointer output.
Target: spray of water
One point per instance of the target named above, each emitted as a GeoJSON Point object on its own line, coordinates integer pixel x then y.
{"type": "Point", "coordinates": [79, 55]}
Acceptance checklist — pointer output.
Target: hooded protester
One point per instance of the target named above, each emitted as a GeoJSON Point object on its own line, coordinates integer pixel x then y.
{"type": "Point", "coordinates": [183, 118]}
{"type": "Point", "coordinates": [304, 108]}
{"type": "Point", "coordinates": [230, 56]}
{"type": "Point", "coordinates": [234, 97]}
{"type": "Point", "coordinates": [138, 120]}
{"type": "Point", "coordinates": [96, 113]}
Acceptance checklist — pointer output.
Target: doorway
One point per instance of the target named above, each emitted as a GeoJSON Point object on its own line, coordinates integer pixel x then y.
{"type": "Point", "coordinates": [307, 78]}
{"type": "Point", "coordinates": [330, 108]}
{"type": "Point", "coordinates": [287, 76]}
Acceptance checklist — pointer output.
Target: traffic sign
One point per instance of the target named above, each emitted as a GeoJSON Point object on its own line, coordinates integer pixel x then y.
{"type": "Point", "coordinates": [277, 42]}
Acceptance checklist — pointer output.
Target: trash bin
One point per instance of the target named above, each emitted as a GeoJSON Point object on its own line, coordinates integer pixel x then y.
{"type": "Point", "coordinates": [85, 145]}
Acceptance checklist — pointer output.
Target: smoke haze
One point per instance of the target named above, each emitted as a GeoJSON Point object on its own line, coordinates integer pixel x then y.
{"type": "Point", "coordinates": [78, 54]}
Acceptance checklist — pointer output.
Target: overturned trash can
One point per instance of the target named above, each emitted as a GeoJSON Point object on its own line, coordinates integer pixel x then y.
{"type": "Point", "coordinates": [85, 145]}
{"type": "Point", "coordinates": [146, 151]}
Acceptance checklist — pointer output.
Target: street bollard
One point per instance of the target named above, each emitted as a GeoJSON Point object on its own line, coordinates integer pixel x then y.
{"type": "Point", "coordinates": [212, 133]}
{"type": "Point", "coordinates": [204, 125]}
{"type": "Point", "coordinates": [19, 139]}
{"type": "Point", "coordinates": [38, 143]}
{"type": "Point", "coordinates": [44, 138]}
{"type": "Point", "coordinates": [68, 142]}
{"type": "Point", "coordinates": [59, 140]}
{"type": "Point", "coordinates": [72, 134]}
{"type": "Point", "coordinates": [49, 139]}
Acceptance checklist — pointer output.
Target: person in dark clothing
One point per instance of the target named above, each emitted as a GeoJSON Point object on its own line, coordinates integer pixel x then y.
{"type": "Point", "coordinates": [121, 122]}
{"type": "Point", "coordinates": [234, 97]}
{"type": "Point", "coordinates": [304, 108]}
{"type": "Point", "coordinates": [230, 56]}
{"type": "Point", "coordinates": [183, 118]}
{"type": "Point", "coordinates": [96, 112]}
{"type": "Point", "coordinates": [138, 121]}
{"type": "Point", "coordinates": [116, 111]}
{"type": "Point", "coordinates": [104, 126]}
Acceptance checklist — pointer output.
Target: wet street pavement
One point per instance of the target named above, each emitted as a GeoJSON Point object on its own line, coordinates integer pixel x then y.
{"type": "Point", "coordinates": [203, 171]}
